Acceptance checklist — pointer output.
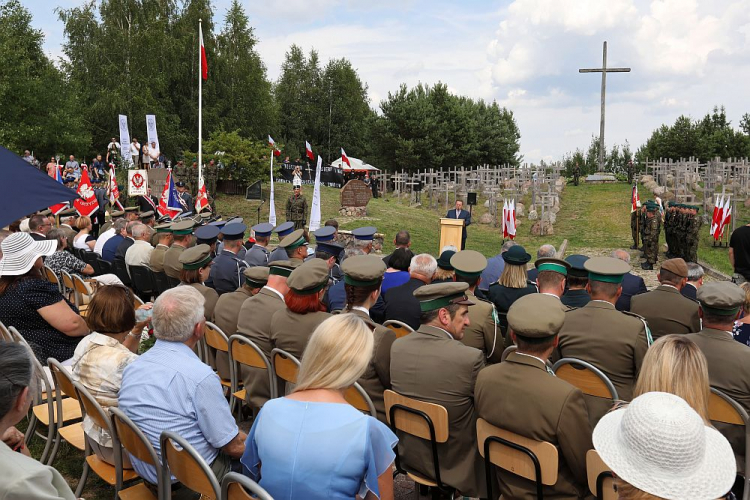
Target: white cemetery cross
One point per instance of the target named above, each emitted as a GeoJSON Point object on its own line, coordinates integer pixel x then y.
{"type": "Point", "coordinates": [603, 70]}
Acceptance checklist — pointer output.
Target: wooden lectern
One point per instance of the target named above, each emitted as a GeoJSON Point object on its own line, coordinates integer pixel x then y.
{"type": "Point", "coordinates": [450, 232]}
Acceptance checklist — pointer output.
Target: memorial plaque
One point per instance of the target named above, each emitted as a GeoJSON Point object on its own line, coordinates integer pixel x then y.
{"type": "Point", "coordinates": [254, 192]}
{"type": "Point", "coordinates": [355, 194]}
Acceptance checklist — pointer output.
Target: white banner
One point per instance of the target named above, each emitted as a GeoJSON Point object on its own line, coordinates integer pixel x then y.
{"type": "Point", "coordinates": [315, 211]}
{"type": "Point", "coordinates": [272, 207]}
{"type": "Point", "coordinates": [137, 182]}
{"type": "Point", "coordinates": [125, 140]}
{"type": "Point", "coordinates": [151, 131]}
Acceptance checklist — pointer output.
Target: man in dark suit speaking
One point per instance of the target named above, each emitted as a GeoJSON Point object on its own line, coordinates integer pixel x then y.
{"type": "Point", "coordinates": [460, 213]}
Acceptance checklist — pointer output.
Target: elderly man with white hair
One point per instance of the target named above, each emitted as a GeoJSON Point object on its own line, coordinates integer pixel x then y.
{"type": "Point", "coordinates": [545, 251]}
{"type": "Point", "coordinates": [169, 389]}
{"type": "Point", "coordinates": [139, 253]}
{"type": "Point", "coordinates": [399, 302]}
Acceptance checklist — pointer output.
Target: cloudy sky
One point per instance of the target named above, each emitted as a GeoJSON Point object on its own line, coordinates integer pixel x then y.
{"type": "Point", "coordinates": [686, 56]}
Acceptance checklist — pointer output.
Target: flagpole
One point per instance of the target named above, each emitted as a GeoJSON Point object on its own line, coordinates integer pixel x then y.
{"type": "Point", "coordinates": [200, 103]}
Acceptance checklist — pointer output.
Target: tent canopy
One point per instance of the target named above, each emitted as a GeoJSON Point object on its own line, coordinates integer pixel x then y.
{"type": "Point", "coordinates": [357, 165]}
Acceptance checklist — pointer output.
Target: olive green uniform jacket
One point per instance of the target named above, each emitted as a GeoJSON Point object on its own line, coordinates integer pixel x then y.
{"type": "Point", "coordinates": [483, 332]}
{"type": "Point", "coordinates": [667, 311]}
{"type": "Point", "coordinates": [226, 313]}
{"type": "Point", "coordinates": [172, 265]}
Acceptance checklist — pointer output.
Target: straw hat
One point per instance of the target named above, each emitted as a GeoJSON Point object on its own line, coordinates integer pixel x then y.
{"type": "Point", "coordinates": [20, 251]}
{"type": "Point", "coordinates": [660, 445]}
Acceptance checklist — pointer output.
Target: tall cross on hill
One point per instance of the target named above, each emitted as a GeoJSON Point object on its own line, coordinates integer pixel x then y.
{"type": "Point", "coordinates": [603, 70]}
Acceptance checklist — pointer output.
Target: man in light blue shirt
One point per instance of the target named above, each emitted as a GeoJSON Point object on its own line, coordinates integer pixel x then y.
{"type": "Point", "coordinates": [72, 167]}
{"type": "Point", "coordinates": [169, 388]}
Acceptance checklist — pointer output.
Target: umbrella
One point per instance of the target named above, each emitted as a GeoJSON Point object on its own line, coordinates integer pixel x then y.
{"type": "Point", "coordinates": [25, 189]}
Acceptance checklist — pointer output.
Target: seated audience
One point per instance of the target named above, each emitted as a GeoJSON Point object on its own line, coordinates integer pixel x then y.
{"type": "Point", "coordinates": [139, 253]}
{"type": "Point", "coordinates": [169, 388]}
{"type": "Point", "coordinates": [401, 241]}
{"type": "Point", "coordinates": [128, 241]}
{"type": "Point", "coordinates": [432, 365]}
{"type": "Point", "coordinates": [23, 477]}
{"type": "Point", "coordinates": [494, 269]}
{"type": "Point", "coordinates": [49, 323]}
{"type": "Point", "coordinates": [741, 328]}
{"type": "Point", "coordinates": [694, 280]}
{"type": "Point", "coordinates": [444, 272]}
{"type": "Point", "coordinates": [631, 283]}
{"type": "Point", "coordinates": [63, 260]}
{"type": "Point", "coordinates": [101, 357]}
{"type": "Point", "coordinates": [659, 447]}
{"type": "Point", "coordinates": [398, 269]}
{"type": "Point", "coordinates": [84, 240]}
{"type": "Point", "coordinates": [545, 251]}
{"type": "Point", "coordinates": [399, 303]}
{"type": "Point", "coordinates": [676, 365]}
{"type": "Point", "coordinates": [196, 266]}
{"type": "Point", "coordinates": [512, 285]}
{"type": "Point", "coordinates": [311, 444]}
{"type": "Point", "coordinates": [522, 396]}
{"type": "Point", "coordinates": [110, 247]}
{"type": "Point", "coordinates": [576, 294]}
{"type": "Point", "coordinates": [665, 309]}
{"type": "Point", "coordinates": [551, 276]}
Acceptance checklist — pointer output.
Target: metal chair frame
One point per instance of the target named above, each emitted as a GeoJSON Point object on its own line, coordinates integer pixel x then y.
{"type": "Point", "coordinates": [164, 441]}
{"type": "Point", "coordinates": [489, 466]}
{"type": "Point", "coordinates": [252, 489]}
{"type": "Point", "coordinates": [235, 369]}
{"type": "Point", "coordinates": [592, 368]}
{"type": "Point", "coordinates": [746, 419]}
{"type": "Point", "coordinates": [59, 372]}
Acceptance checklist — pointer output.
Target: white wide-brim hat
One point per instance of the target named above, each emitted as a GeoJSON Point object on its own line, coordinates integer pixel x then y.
{"type": "Point", "coordinates": [660, 445]}
{"type": "Point", "coordinates": [20, 251]}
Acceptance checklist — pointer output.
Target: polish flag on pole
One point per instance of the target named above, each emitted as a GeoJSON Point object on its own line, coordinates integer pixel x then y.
{"type": "Point", "coordinates": [309, 151]}
{"type": "Point", "coordinates": [718, 218]}
{"type": "Point", "coordinates": [204, 60]}
{"type": "Point", "coordinates": [344, 158]}
{"type": "Point", "coordinates": [272, 143]}
{"type": "Point", "coordinates": [505, 213]}
{"type": "Point", "coordinates": [58, 207]}
{"type": "Point", "coordinates": [201, 200]}
{"type": "Point", "coordinates": [635, 201]}
{"type": "Point", "coordinates": [727, 216]}
{"type": "Point", "coordinates": [512, 219]}
{"type": "Point", "coordinates": [114, 190]}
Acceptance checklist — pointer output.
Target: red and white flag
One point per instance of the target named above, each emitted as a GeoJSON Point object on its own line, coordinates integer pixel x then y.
{"type": "Point", "coordinates": [201, 200]}
{"type": "Point", "coordinates": [718, 217]}
{"type": "Point", "coordinates": [58, 207]}
{"type": "Point", "coordinates": [344, 158]}
{"type": "Point", "coordinates": [86, 204]}
{"type": "Point", "coordinates": [512, 219]}
{"type": "Point", "coordinates": [635, 200]}
{"type": "Point", "coordinates": [169, 203]}
{"type": "Point", "coordinates": [309, 151]}
{"type": "Point", "coordinates": [204, 61]}
{"type": "Point", "coordinates": [727, 217]}
{"type": "Point", "coordinates": [505, 215]}
{"type": "Point", "coordinates": [271, 142]}
{"type": "Point", "coordinates": [114, 190]}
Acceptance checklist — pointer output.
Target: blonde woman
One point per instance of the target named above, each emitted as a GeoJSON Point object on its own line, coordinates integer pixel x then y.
{"type": "Point", "coordinates": [675, 364]}
{"type": "Point", "coordinates": [312, 444]}
{"type": "Point", "coordinates": [83, 240]}
{"type": "Point", "coordinates": [512, 284]}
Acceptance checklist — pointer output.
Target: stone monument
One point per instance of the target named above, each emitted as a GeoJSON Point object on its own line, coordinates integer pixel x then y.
{"type": "Point", "coordinates": [354, 198]}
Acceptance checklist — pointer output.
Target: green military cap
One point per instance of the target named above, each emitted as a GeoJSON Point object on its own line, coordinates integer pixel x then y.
{"type": "Point", "coordinates": [468, 263]}
{"type": "Point", "coordinates": [131, 209]}
{"type": "Point", "coordinates": [183, 227]}
{"type": "Point", "coordinates": [721, 297]}
{"type": "Point", "coordinates": [676, 266]}
{"type": "Point", "coordinates": [310, 277]}
{"type": "Point", "coordinates": [363, 270]}
{"type": "Point", "coordinates": [164, 228]}
{"type": "Point", "coordinates": [256, 276]}
{"type": "Point", "coordinates": [552, 264]}
{"type": "Point", "coordinates": [293, 240]}
{"type": "Point", "coordinates": [282, 267]}
{"type": "Point", "coordinates": [438, 295]}
{"type": "Point", "coordinates": [146, 215]}
{"type": "Point", "coordinates": [536, 315]}
{"type": "Point", "coordinates": [652, 207]}
{"type": "Point", "coordinates": [606, 269]}
{"type": "Point", "coordinates": [46, 211]}
{"type": "Point", "coordinates": [68, 211]}
{"type": "Point", "coordinates": [118, 213]}
{"type": "Point", "coordinates": [195, 257]}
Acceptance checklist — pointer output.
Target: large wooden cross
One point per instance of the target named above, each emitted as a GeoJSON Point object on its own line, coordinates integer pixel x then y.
{"type": "Point", "coordinates": [603, 70]}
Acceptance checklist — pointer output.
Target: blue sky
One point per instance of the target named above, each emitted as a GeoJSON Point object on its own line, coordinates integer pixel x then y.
{"type": "Point", "coordinates": [686, 56]}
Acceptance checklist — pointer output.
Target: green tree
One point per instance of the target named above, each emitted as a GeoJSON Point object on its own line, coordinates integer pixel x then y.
{"type": "Point", "coordinates": [242, 158]}
{"type": "Point", "coordinates": [40, 110]}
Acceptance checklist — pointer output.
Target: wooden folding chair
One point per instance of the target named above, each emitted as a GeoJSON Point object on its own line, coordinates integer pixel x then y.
{"type": "Point", "coordinates": [113, 475]}
{"type": "Point", "coordinates": [426, 421]}
{"type": "Point", "coordinates": [68, 288]}
{"type": "Point", "coordinates": [724, 409]}
{"type": "Point", "coordinates": [66, 403]}
{"type": "Point", "coordinates": [601, 482]}
{"type": "Point", "coordinates": [536, 461]}
{"type": "Point", "coordinates": [52, 277]}
{"type": "Point", "coordinates": [216, 339]}
{"type": "Point", "coordinates": [128, 436]}
{"type": "Point", "coordinates": [585, 376]}
{"type": "Point", "coordinates": [358, 398]}
{"type": "Point", "coordinates": [285, 366]}
{"type": "Point", "coordinates": [84, 293]}
{"type": "Point", "coordinates": [187, 466]}
{"type": "Point", "coordinates": [400, 328]}
{"type": "Point", "coordinates": [244, 352]}
{"type": "Point", "coordinates": [235, 486]}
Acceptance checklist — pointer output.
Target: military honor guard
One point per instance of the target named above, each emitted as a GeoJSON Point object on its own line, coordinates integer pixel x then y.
{"type": "Point", "coordinates": [226, 272]}
{"type": "Point", "coordinates": [523, 396]}
{"type": "Point", "coordinates": [432, 365]}
{"type": "Point", "coordinates": [651, 229]}
{"type": "Point", "coordinates": [613, 341]}
{"type": "Point", "coordinates": [182, 233]}
{"type": "Point", "coordinates": [363, 275]}
{"type": "Point", "coordinates": [665, 309]}
{"type": "Point", "coordinates": [282, 231]}
{"type": "Point", "coordinates": [186, 201]}
{"type": "Point", "coordinates": [258, 255]}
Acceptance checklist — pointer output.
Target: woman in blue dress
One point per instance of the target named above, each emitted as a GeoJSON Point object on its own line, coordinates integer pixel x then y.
{"type": "Point", "coordinates": [312, 444]}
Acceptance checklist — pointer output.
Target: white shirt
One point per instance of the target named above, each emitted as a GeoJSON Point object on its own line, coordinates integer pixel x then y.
{"type": "Point", "coordinates": [274, 291]}
{"type": "Point", "coordinates": [106, 235]}
{"type": "Point", "coordinates": [79, 241]}
{"type": "Point", "coordinates": [135, 149]}
{"type": "Point", "coordinates": [139, 254]}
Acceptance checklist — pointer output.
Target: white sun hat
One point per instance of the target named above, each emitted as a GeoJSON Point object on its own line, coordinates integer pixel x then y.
{"type": "Point", "coordinates": [660, 445]}
{"type": "Point", "coordinates": [20, 251]}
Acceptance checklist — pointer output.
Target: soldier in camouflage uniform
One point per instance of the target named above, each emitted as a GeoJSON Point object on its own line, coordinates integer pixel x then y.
{"type": "Point", "coordinates": [694, 228]}
{"type": "Point", "coordinates": [651, 235]}
{"type": "Point", "coordinates": [669, 229]}
{"type": "Point", "coordinates": [635, 227]}
{"type": "Point", "coordinates": [296, 208]}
